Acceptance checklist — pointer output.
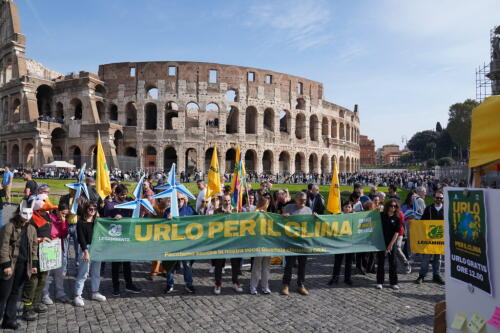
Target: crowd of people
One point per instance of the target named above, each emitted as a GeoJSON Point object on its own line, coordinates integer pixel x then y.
{"type": "Point", "coordinates": [37, 220]}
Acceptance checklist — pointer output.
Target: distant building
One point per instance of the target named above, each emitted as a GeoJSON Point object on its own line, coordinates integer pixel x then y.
{"type": "Point", "coordinates": [389, 154]}
{"type": "Point", "coordinates": [367, 151]}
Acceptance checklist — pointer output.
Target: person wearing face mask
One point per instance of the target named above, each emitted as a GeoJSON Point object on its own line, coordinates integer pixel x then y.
{"type": "Point", "coordinates": [18, 260]}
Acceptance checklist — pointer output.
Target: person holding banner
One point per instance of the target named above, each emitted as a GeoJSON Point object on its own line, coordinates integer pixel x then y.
{"type": "Point", "coordinates": [434, 211]}
{"type": "Point", "coordinates": [297, 208]}
{"type": "Point", "coordinates": [184, 210]}
{"type": "Point", "coordinates": [18, 261]}
{"type": "Point", "coordinates": [227, 208]}
{"type": "Point", "coordinates": [85, 229]}
{"type": "Point", "coordinates": [337, 263]}
{"type": "Point", "coordinates": [391, 226]}
{"type": "Point", "coordinates": [261, 265]}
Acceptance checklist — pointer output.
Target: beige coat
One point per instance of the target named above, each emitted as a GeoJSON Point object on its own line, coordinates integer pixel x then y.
{"type": "Point", "coordinates": [10, 241]}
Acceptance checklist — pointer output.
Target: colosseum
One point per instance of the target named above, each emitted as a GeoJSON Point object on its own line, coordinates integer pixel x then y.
{"type": "Point", "coordinates": [152, 114]}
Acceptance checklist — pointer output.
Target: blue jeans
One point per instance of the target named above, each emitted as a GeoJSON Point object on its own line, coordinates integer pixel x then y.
{"type": "Point", "coordinates": [84, 267]}
{"type": "Point", "coordinates": [436, 263]}
{"type": "Point", "coordinates": [186, 268]}
{"type": "Point", "coordinates": [71, 234]}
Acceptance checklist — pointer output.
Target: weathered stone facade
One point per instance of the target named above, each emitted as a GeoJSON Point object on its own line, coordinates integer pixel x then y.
{"type": "Point", "coordinates": [151, 114]}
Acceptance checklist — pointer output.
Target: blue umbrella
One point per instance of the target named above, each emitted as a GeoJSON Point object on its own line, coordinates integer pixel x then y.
{"type": "Point", "coordinates": [78, 189]}
{"type": "Point", "coordinates": [171, 188]}
{"type": "Point", "coordinates": [138, 202]}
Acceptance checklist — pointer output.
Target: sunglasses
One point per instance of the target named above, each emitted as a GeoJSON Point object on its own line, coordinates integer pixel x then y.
{"type": "Point", "coordinates": [393, 206]}
{"type": "Point", "coordinates": [439, 198]}
{"type": "Point", "coordinates": [181, 199]}
{"type": "Point", "coordinates": [91, 209]}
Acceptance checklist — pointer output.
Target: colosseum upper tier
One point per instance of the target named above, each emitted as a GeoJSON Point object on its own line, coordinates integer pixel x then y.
{"type": "Point", "coordinates": [152, 114]}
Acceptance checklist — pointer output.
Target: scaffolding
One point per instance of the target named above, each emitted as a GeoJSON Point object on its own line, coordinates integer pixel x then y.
{"type": "Point", "coordinates": [483, 82]}
{"type": "Point", "coordinates": [488, 75]}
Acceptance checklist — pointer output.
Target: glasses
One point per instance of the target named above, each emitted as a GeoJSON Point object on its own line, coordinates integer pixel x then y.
{"type": "Point", "coordinates": [181, 199]}
{"type": "Point", "coordinates": [393, 206]}
{"type": "Point", "coordinates": [439, 198]}
{"type": "Point", "coordinates": [91, 209]}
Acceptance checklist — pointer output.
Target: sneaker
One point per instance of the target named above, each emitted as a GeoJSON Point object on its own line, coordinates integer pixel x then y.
{"type": "Point", "coordinates": [189, 289]}
{"type": "Point", "coordinates": [333, 280]}
{"type": "Point", "coordinates": [253, 291]}
{"type": "Point", "coordinates": [63, 299]}
{"type": "Point", "coordinates": [302, 290]}
{"type": "Point", "coordinates": [169, 289]}
{"type": "Point", "coordinates": [419, 280]}
{"type": "Point", "coordinates": [408, 268]}
{"type": "Point", "coordinates": [217, 290]}
{"type": "Point", "coordinates": [237, 288]}
{"type": "Point", "coordinates": [29, 315]}
{"type": "Point", "coordinates": [211, 270]}
{"type": "Point", "coordinates": [379, 286]}
{"type": "Point", "coordinates": [133, 289]}
{"type": "Point", "coordinates": [41, 308]}
{"type": "Point", "coordinates": [395, 286]}
{"type": "Point", "coordinates": [438, 279]}
{"type": "Point", "coordinates": [78, 301]}
{"type": "Point", "coordinates": [266, 291]}
{"type": "Point", "coordinates": [47, 300]}
{"type": "Point", "coordinates": [116, 292]}
{"type": "Point", "coordinates": [285, 290]}
{"type": "Point", "coordinates": [97, 296]}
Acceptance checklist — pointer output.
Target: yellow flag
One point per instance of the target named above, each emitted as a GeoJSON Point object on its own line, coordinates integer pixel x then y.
{"type": "Point", "coordinates": [334, 196]}
{"type": "Point", "coordinates": [102, 182]}
{"type": "Point", "coordinates": [214, 186]}
{"type": "Point", "coordinates": [236, 167]}
{"type": "Point", "coordinates": [427, 236]}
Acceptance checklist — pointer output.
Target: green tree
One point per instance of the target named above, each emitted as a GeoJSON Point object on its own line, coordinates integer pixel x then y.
{"type": "Point", "coordinates": [459, 123]}
{"type": "Point", "coordinates": [444, 144]}
{"type": "Point", "coordinates": [439, 128]}
{"type": "Point", "coordinates": [445, 161]}
{"type": "Point", "coordinates": [418, 144]}
{"type": "Point", "coordinates": [431, 163]}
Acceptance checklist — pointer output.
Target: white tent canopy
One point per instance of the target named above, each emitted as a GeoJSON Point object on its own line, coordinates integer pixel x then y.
{"type": "Point", "coordinates": [59, 164]}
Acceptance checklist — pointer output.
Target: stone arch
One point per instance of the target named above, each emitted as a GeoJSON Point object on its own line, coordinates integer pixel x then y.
{"type": "Point", "coordinates": [300, 126]}
{"type": "Point", "coordinates": [16, 110]}
{"type": "Point", "coordinates": [208, 158]}
{"type": "Point", "coordinates": [76, 156]}
{"type": "Point", "coordinates": [313, 163]}
{"type": "Point", "coordinates": [348, 132]}
{"type": "Point", "coordinates": [325, 162]}
{"type": "Point", "coordinates": [77, 106]}
{"type": "Point", "coordinates": [118, 141]}
{"type": "Point", "coordinates": [232, 122]}
{"type": "Point", "coordinates": [333, 163]}
{"type": "Point", "coordinates": [113, 112]}
{"type": "Point", "coordinates": [192, 115]}
{"type": "Point", "coordinates": [100, 91]}
{"type": "Point", "coordinates": [131, 114]}
{"type": "Point", "coordinates": [59, 111]}
{"type": "Point", "coordinates": [14, 156]}
{"type": "Point", "coordinates": [341, 164]}
{"type": "Point", "coordinates": [268, 162]}
{"type": "Point", "coordinates": [341, 131]}
{"type": "Point", "coordinates": [212, 115]}
{"type": "Point", "coordinates": [230, 159]}
{"type": "Point", "coordinates": [324, 127]}
{"type": "Point", "coordinates": [285, 121]}
{"type": "Point", "coordinates": [269, 119]}
{"type": "Point", "coordinates": [151, 116]}
{"type": "Point", "coordinates": [92, 154]}
{"type": "Point", "coordinates": [250, 160]}
{"type": "Point", "coordinates": [29, 156]}
{"type": "Point", "coordinates": [313, 127]}
{"type": "Point", "coordinates": [172, 111]}
{"type": "Point", "coordinates": [232, 95]}
{"type": "Point", "coordinates": [101, 111]}
{"type": "Point", "coordinates": [58, 139]}
{"type": "Point", "coordinates": [334, 129]}
{"type": "Point", "coordinates": [130, 152]}
{"type": "Point", "coordinates": [301, 104]}
{"type": "Point", "coordinates": [152, 92]}
{"type": "Point", "coordinates": [251, 120]}
{"type": "Point", "coordinates": [284, 162]}
{"type": "Point", "coordinates": [191, 159]}
{"type": "Point", "coordinates": [347, 164]}
{"type": "Point", "coordinates": [300, 162]}
{"type": "Point", "coordinates": [150, 157]}
{"type": "Point", "coordinates": [169, 158]}
{"type": "Point", "coordinates": [44, 95]}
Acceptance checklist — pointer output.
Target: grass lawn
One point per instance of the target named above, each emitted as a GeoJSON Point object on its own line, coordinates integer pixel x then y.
{"type": "Point", "coordinates": [58, 188]}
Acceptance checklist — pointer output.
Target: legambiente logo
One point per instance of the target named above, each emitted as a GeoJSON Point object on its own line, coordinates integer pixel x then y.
{"type": "Point", "coordinates": [115, 231]}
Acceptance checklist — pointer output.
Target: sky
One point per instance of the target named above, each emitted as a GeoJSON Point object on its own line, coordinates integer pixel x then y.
{"type": "Point", "coordinates": [403, 62]}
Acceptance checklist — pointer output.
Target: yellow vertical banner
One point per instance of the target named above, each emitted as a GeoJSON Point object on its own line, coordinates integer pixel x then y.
{"type": "Point", "coordinates": [427, 236]}
{"type": "Point", "coordinates": [102, 181]}
{"type": "Point", "coordinates": [333, 205]}
{"type": "Point", "coordinates": [214, 184]}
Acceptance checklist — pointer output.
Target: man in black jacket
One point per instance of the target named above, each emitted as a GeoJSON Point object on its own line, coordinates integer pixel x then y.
{"type": "Point", "coordinates": [434, 211]}
{"type": "Point", "coordinates": [315, 200]}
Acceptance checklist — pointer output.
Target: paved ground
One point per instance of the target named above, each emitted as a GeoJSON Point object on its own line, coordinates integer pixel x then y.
{"type": "Point", "coordinates": [360, 308]}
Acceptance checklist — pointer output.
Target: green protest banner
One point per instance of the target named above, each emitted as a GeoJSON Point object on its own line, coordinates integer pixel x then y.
{"type": "Point", "coordinates": [235, 236]}
{"type": "Point", "coordinates": [468, 238]}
